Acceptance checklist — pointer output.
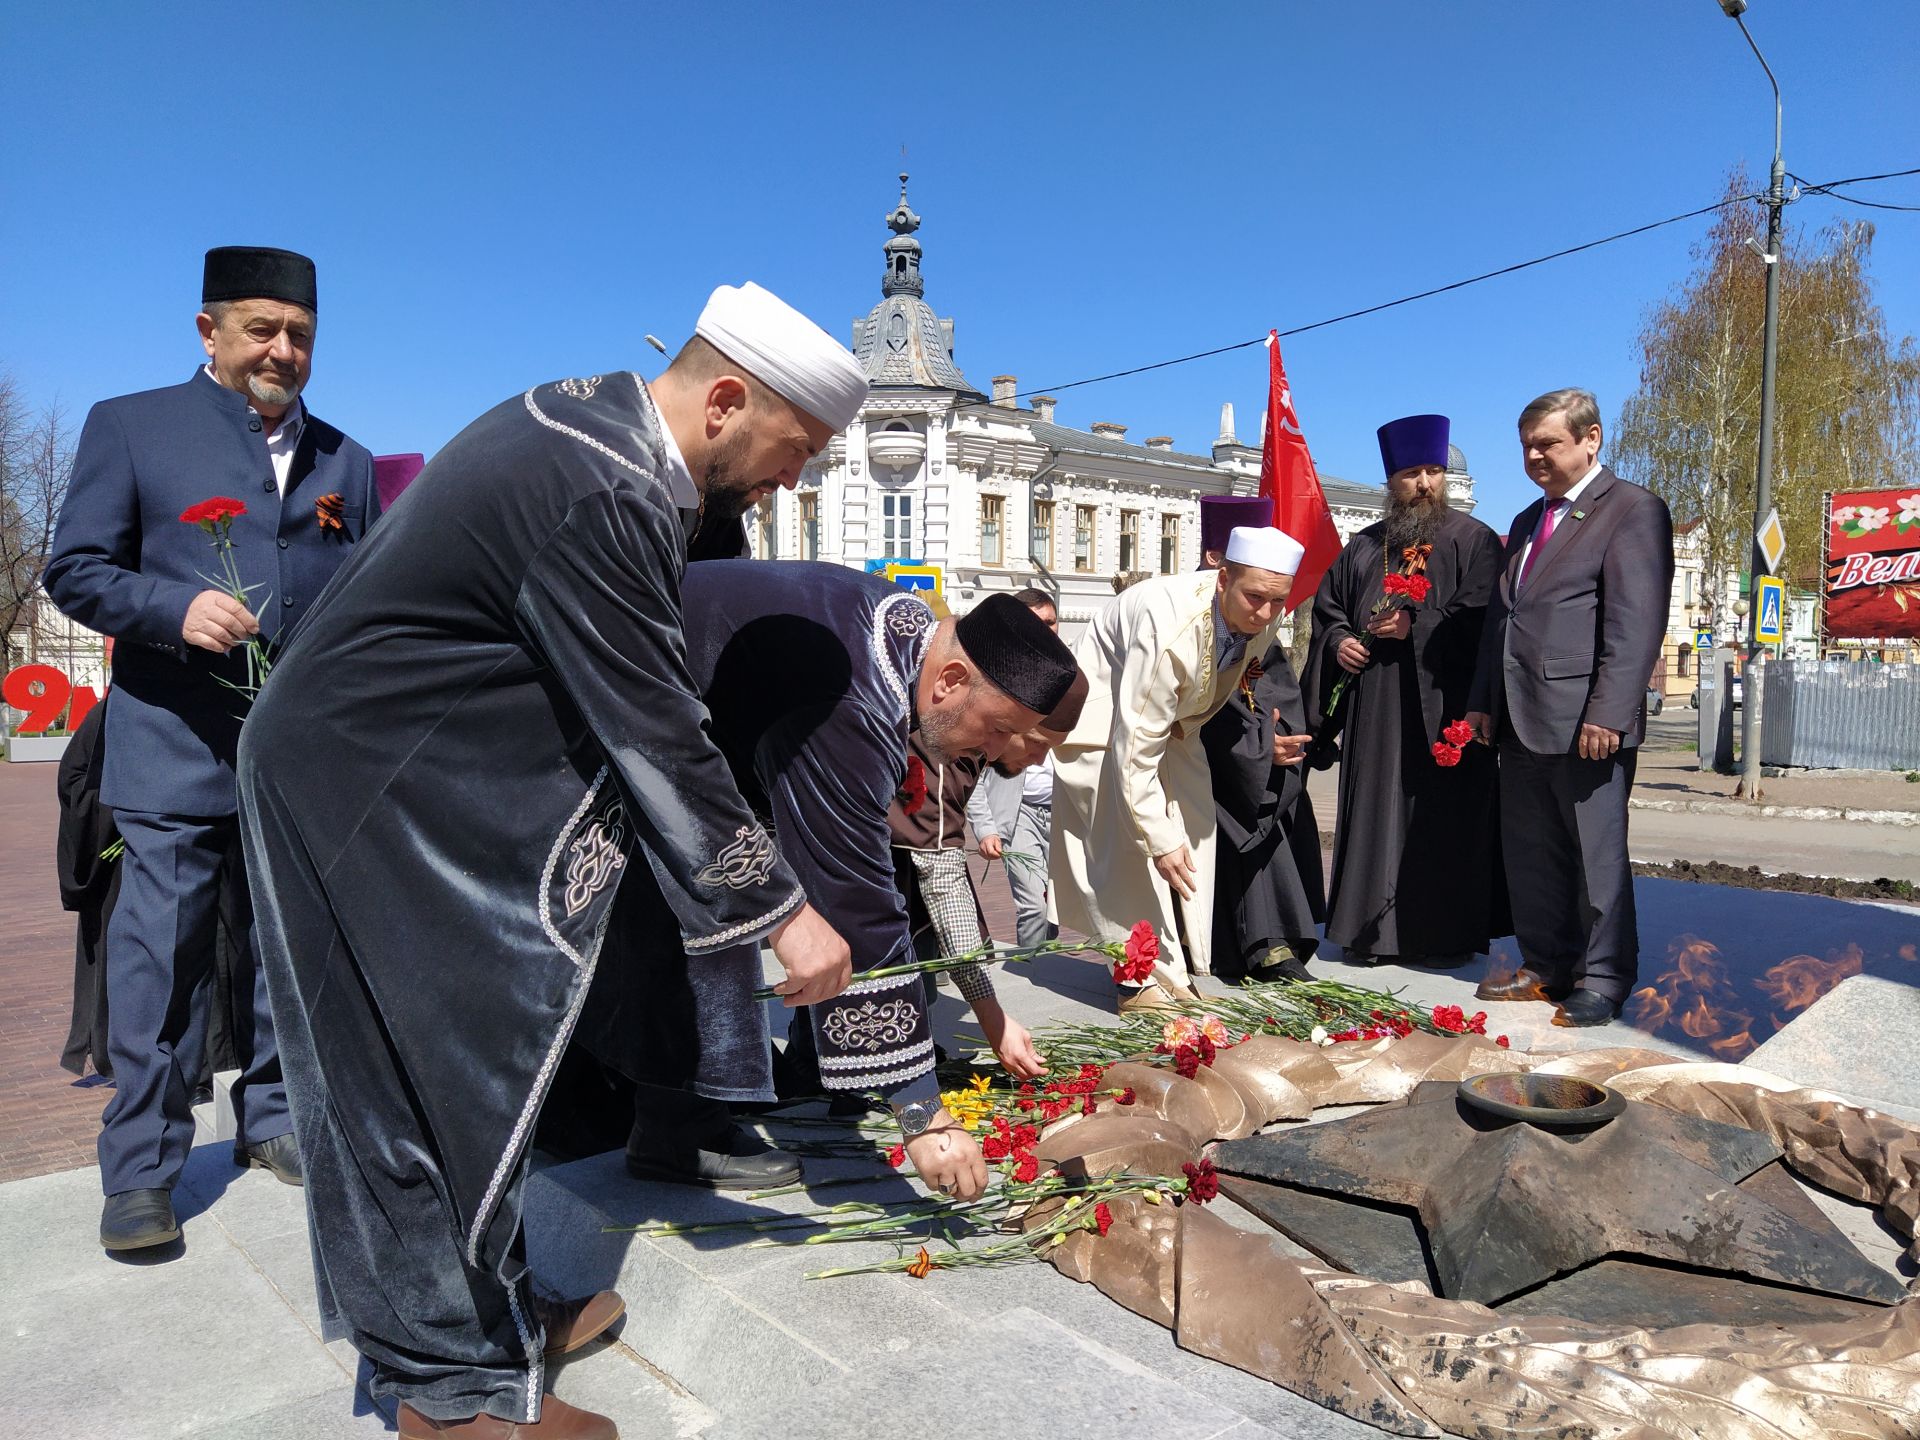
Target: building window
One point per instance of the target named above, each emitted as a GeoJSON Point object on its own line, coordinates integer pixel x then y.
{"type": "Point", "coordinates": [1681, 661]}
{"type": "Point", "coordinates": [763, 530]}
{"type": "Point", "coordinates": [1040, 542]}
{"type": "Point", "coordinates": [809, 527]}
{"type": "Point", "coordinates": [1129, 540]}
{"type": "Point", "coordinates": [1169, 544]}
{"type": "Point", "coordinates": [1083, 538]}
{"type": "Point", "coordinates": [896, 526]}
{"type": "Point", "coordinates": [992, 512]}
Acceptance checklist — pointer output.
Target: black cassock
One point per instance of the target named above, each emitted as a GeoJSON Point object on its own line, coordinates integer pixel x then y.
{"type": "Point", "coordinates": [808, 670]}
{"type": "Point", "coordinates": [1269, 886]}
{"type": "Point", "coordinates": [1416, 854]}
{"type": "Point", "coordinates": [482, 726]}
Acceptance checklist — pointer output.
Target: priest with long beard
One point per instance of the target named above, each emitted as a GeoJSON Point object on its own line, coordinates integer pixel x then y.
{"type": "Point", "coordinates": [1416, 855]}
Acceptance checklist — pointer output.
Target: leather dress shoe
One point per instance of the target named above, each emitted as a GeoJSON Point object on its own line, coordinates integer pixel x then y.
{"type": "Point", "coordinates": [734, 1161]}
{"type": "Point", "coordinates": [279, 1157]}
{"type": "Point", "coordinates": [571, 1324]}
{"type": "Point", "coordinates": [558, 1421]}
{"type": "Point", "coordinates": [1282, 966]}
{"type": "Point", "coordinates": [1521, 985]}
{"type": "Point", "coordinates": [138, 1219]}
{"type": "Point", "coordinates": [1584, 1007]}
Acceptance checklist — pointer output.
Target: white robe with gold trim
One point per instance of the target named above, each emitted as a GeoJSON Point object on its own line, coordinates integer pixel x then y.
{"type": "Point", "coordinates": [1132, 782]}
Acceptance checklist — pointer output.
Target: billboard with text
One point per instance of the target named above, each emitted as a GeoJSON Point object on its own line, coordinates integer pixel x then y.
{"type": "Point", "coordinates": [1871, 556]}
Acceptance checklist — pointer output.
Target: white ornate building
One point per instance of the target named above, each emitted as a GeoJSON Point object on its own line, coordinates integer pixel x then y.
{"type": "Point", "coordinates": [995, 493]}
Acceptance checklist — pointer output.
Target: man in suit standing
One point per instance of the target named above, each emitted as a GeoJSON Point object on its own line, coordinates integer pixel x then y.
{"type": "Point", "coordinates": [122, 564]}
{"type": "Point", "coordinates": [1572, 633]}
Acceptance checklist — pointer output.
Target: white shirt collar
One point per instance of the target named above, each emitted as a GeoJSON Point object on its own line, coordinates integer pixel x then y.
{"type": "Point", "coordinates": [679, 477]}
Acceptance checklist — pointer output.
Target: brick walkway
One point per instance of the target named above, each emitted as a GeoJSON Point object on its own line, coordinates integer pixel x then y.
{"type": "Point", "coordinates": [47, 1121]}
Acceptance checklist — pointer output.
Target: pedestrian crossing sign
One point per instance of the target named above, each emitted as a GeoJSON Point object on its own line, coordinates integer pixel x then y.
{"type": "Point", "coordinates": [1770, 628]}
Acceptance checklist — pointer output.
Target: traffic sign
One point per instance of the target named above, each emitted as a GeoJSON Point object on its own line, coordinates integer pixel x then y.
{"type": "Point", "coordinates": [1702, 640]}
{"type": "Point", "coordinates": [1773, 541]}
{"type": "Point", "coordinates": [1770, 626]}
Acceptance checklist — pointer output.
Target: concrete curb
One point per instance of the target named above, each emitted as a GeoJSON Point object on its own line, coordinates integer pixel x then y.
{"type": "Point", "coordinates": [1905, 818]}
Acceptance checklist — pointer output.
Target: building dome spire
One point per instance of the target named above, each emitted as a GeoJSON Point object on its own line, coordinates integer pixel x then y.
{"type": "Point", "coordinates": [903, 251]}
{"type": "Point", "coordinates": [901, 341]}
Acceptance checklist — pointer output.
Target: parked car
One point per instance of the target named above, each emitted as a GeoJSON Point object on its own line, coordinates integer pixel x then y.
{"type": "Point", "coordinates": [1736, 692]}
{"type": "Point", "coordinates": [1655, 701]}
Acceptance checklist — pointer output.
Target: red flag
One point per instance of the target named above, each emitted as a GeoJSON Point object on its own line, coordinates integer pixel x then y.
{"type": "Point", "coordinates": [1287, 477]}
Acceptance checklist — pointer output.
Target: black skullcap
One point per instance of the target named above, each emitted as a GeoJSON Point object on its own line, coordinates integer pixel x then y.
{"type": "Point", "coordinates": [1017, 651]}
{"type": "Point", "coordinates": [258, 272]}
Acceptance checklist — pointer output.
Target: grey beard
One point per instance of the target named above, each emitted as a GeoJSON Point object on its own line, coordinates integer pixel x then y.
{"type": "Point", "coordinates": [1414, 523]}
{"type": "Point", "coordinates": [272, 394]}
{"type": "Point", "coordinates": [936, 735]}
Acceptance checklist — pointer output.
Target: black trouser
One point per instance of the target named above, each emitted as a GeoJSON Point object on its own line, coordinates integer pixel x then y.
{"type": "Point", "coordinates": [1563, 830]}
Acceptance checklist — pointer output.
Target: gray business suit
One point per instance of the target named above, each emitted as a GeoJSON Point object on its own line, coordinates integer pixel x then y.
{"type": "Point", "coordinates": [1575, 645]}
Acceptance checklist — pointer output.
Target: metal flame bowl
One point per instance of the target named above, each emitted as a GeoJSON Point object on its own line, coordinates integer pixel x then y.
{"type": "Point", "coordinates": [1552, 1102]}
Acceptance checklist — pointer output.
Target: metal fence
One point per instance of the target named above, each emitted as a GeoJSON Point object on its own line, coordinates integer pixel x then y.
{"type": "Point", "coordinates": [1841, 714]}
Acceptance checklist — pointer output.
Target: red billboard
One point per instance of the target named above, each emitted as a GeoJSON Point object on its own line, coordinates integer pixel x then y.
{"type": "Point", "coordinates": [1871, 555]}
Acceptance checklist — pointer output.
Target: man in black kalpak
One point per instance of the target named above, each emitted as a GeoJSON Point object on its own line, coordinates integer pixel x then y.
{"type": "Point", "coordinates": [816, 677]}
{"type": "Point", "coordinates": [484, 725]}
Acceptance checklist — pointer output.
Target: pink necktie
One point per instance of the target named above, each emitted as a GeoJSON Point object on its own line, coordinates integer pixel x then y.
{"type": "Point", "coordinates": [1539, 541]}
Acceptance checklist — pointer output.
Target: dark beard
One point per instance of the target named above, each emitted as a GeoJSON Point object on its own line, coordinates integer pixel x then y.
{"type": "Point", "coordinates": [936, 736]}
{"type": "Point", "coordinates": [1415, 522]}
{"type": "Point", "coordinates": [724, 490]}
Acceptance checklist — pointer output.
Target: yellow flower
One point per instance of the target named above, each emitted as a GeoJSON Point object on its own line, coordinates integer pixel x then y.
{"type": "Point", "coordinates": [968, 1107]}
{"type": "Point", "coordinates": [981, 1084]}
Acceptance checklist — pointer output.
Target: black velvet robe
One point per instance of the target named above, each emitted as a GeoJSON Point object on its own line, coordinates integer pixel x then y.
{"type": "Point", "coordinates": [483, 726]}
{"type": "Point", "coordinates": [808, 670]}
{"type": "Point", "coordinates": [1416, 855]}
{"type": "Point", "coordinates": [1269, 886]}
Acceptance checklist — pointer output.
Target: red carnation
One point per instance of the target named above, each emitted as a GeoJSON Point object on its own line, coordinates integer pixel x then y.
{"type": "Point", "coordinates": [1458, 733]}
{"type": "Point", "coordinates": [1103, 1217]}
{"type": "Point", "coordinates": [219, 511]}
{"type": "Point", "coordinates": [1026, 1169]}
{"type": "Point", "coordinates": [1501, 1041]}
{"type": "Point", "coordinates": [1127, 1097]}
{"type": "Point", "coordinates": [1446, 756]}
{"type": "Point", "coordinates": [1450, 1018]}
{"type": "Point", "coordinates": [1025, 1136]}
{"type": "Point", "coordinates": [1395, 585]}
{"type": "Point", "coordinates": [1186, 1061]}
{"type": "Point", "coordinates": [1203, 1184]}
{"type": "Point", "coordinates": [996, 1147]}
{"type": "Point", "coordinates": [1418, 588]}
{"type": "Point", "coordinates": [913, 790]}
{"type": "Point", "coordinates": [896, 1155]}
{"type": "Point", "coordinates": [1087, 1106]}
{"type": "Point", "coordinates": [1143, 949]}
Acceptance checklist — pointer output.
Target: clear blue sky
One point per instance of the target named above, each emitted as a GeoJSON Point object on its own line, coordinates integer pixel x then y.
{"type": "Point", "coordinates": [502, 194]}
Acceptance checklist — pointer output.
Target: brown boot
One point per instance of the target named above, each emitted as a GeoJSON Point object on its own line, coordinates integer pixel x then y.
{"type": "Point", "coordinates": [1154, 995]}
{"type": "Point", "coordinates": [558, 1421]}
{"type": "Point", "coordinates": [572, 1323]}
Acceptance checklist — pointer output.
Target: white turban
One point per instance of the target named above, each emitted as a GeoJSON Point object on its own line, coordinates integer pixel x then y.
{"type": "Point", "coordinates": [785, 351]}
{"type": "Point", "coordinates": [1265, 548]}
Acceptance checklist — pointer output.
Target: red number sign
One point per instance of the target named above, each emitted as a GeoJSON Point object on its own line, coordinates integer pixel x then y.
{"type": "Point", "coordinates": [43, 694]}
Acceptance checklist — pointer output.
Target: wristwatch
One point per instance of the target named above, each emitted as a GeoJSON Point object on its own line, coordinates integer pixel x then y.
{"type": "Point", "coordinates": [915, 1116]}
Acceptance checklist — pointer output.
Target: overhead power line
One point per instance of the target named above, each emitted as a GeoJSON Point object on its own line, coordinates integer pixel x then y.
{"type": "Point", "coordinates": [1825, 188]}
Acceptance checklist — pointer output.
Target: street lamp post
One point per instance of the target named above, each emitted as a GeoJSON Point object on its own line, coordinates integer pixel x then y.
{"type": "Point", "coordinates": [1763, 480]}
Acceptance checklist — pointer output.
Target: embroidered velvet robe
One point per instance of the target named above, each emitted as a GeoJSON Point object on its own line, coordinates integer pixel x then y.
{"type": "Point", "coordinates": [808, 670]}
{"type": "Point", "coordinates": [481, 728]}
